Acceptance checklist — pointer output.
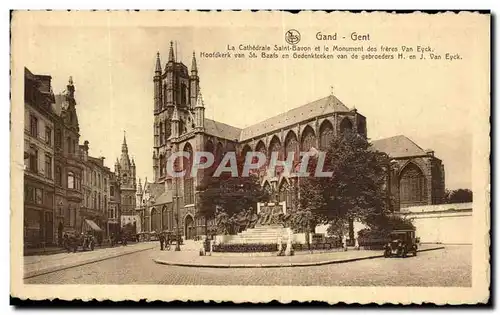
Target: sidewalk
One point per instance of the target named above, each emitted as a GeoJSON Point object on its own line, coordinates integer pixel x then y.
{"type": "Point", "coordinates": [192, 259]}
{"type": "Point", "coordinates": [42, 264]}
{"type": "Point", "coordinates": [54, 250]}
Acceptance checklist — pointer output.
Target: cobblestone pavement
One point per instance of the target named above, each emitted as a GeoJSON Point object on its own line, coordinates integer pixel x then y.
{"type": "Point", "coordinates": [35, 265]}
{"type": "Point", "coordinates": [193, 259]}
{"type": "Point", "coordinates": [448, 267]}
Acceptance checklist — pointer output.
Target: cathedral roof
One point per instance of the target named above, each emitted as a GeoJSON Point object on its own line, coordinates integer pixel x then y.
{"type": "Point", "coordinates": [221, 130]}
{"type": "Point", "coordinates": [154, 189]}
{"type": "Point", "coordinates": [398, 147]}
{"type": "Point", "coordinates": [164, 198]}
{"type": "Point", "coordinates": [326, 105]}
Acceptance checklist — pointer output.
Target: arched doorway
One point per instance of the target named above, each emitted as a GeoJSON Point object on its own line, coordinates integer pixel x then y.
{"type": "Point", "coordinates": [60, 228]}
{"type": "Point", "coordinates": [412, 186]}
{"type": "Point", "coordinates": [189, 228]}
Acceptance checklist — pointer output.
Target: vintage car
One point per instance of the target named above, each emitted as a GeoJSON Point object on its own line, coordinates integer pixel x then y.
{"type": "Point", "coordinates": [401, 242]}
{"type": "Point", "coordinates": [73, 241]}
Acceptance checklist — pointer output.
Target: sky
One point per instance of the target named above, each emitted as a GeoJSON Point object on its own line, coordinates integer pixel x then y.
{"type": "Point", "coordinates": [112, 65]}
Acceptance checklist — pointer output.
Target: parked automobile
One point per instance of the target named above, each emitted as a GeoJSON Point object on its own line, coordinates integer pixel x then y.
{"type": "Point", "coordinates": [401, 243]}
{"type": "Point", "coordinates": [72, 242]}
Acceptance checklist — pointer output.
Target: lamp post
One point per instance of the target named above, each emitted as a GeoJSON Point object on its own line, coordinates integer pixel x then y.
{"type": "Point", "coordinates": [393, 167]}
{"type": "Point", "coordinates": [177, 243]}
{"type": "Point", "coordinates": [176, 200]}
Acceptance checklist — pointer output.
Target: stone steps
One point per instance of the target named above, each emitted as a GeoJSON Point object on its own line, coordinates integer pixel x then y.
{"type": "Point", "coordinates": [267, 234]}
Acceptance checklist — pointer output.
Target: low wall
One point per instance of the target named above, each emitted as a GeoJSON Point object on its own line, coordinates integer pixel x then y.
{"type": "Point", "coordinates": [299, 238]}
{"type": "Point", "coordinates": [446, 223]}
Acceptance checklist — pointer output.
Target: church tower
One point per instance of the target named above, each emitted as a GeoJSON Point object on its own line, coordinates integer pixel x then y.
{"type": "Point", "coordinates": [176, 90]}
{"type": "Point", "coordinates": [125, 171]}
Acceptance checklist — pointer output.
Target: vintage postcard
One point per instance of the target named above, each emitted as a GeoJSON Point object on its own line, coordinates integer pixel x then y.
{"type": "Point", "coordinates": [251, 156]}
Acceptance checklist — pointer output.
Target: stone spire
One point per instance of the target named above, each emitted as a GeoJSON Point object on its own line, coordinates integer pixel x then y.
{"type": "Point", "coordinates": [199, 100]}
{"type": "Point", "coordinates": [124, 159]}
{"type": "Point", "coordinates": [194, 67]}
{"type": "Point", "coordinates": [199, 111]}
{"type": "Point", "coordinates": [158, 63]}
{"type": "Point", "coordinates": [124, 145]}
{"type": "Point", "coordinates": [139, 188]}
{"type": "Point", "coordinates": [171, 57]}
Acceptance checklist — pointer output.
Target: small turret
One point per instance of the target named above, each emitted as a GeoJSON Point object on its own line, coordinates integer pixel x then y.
{"type": "Point", "coordinates": [194, 82]}
{"type": "Point", "coordinates": [199, 111]}
{"type": "Point", "coordinates": [117, 167]}
{"type": "Point", "coordinates": [175, 123]}
{"type": "Point", "coordinates": [70, 88]}
{"type": "Point", "coordinates": [171, 57]}
{"type": "Point", "coordinates": [194, 67]}
{"type": "Point", "coordinates": [158, 64]}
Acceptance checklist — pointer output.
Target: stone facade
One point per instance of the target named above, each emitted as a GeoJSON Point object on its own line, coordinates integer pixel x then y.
{"type": "Point", "coordinates": [114, 206]}
{"type": "Point", "coordinates": [96, 186]}
{"type": "Point", "coordinates": [39, 161]}
{"type": "Point", "coordinates": [64, 186]}
{"type": "Point", "coordinates": [180, 125]}
{"type": "Point", "coordinates": [125, 173]}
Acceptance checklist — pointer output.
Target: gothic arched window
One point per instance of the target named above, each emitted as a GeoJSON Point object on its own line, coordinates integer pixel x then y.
{"type": "Point", "coordinates": [219, 152]}
{"type": "Point", "coordinates": [188, 179]}
{"type": "Point", "coordinates": [308, 139]}
{"type": "Point", "coordinates": [292, 145]}
{"type": "Point", "coordinates": [286, 193]}
{"type": "Point", "coordinates": [345, 125]}
{"type": "Point", "coordinates": [325, 135]}
{"type": "Point", "coordinates": [261, 147]}
{"type": "Point", "coordinates": [411, 185]}
{"type": "Point", "coordinates": [275, 146]}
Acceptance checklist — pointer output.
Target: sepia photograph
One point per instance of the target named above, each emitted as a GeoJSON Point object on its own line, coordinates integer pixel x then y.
{"type": "Point", "coordinates": [250, 156]}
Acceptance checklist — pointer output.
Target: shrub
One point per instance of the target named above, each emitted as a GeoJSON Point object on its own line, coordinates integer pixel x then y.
{"type": "Point", "coordinates": [245, 248]}
{"type": "Point", "coordinates": [373, 238]}
{"type": "Point", "coordinates": [390, 222]}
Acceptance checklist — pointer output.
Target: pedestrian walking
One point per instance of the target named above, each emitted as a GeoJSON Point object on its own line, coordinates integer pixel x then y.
{"type": "Point", "coordinates": [161, 237]}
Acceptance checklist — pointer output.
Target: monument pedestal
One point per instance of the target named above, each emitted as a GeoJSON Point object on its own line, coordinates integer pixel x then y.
{"type": "Point", "coordinates": [261, 234]}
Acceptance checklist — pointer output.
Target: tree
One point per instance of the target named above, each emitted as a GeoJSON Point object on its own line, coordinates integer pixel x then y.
{"type": "Point", "coordinates": [458, 196]}
{"type": "Point", "coordinates": [356, 188]}
{"type": "Point", "coordinates": [230, 194]}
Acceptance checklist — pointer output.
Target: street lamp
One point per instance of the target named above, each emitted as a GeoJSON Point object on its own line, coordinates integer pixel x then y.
{"type": "Point", "coordinates": [176, 199]}
{"type": "Point", "coordinates": [177, 243]}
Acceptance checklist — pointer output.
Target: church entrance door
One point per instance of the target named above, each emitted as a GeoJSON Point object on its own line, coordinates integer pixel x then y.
{"type": "Point", "coordinates": [189, 228]}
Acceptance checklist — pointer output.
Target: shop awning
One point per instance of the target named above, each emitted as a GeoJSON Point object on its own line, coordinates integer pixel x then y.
{"type": "Point", "coordinates": [93, 226]}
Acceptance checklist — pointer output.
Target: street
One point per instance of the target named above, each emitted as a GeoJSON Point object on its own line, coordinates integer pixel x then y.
{"type": "Point", "coordinates": [448, 267]}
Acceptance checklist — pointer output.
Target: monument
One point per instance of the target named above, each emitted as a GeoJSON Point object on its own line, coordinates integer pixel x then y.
{"type": "Point", "coordinates": [266, 226]}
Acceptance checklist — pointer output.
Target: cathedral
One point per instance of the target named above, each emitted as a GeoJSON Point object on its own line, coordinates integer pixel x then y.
{"type": "Point", "coordinates": [416, 175]}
